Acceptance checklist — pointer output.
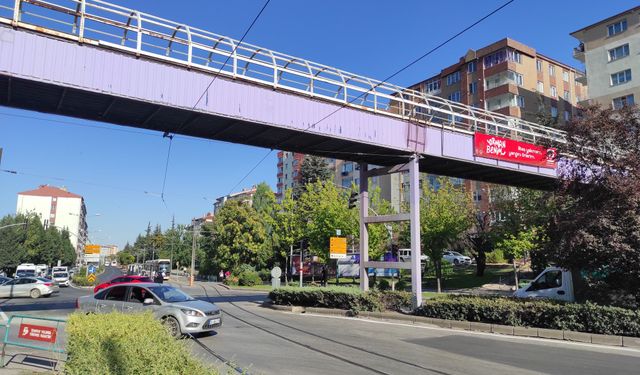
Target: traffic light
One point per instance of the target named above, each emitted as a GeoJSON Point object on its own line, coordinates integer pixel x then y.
{"type": "Point", "coordinates": [353, 199]}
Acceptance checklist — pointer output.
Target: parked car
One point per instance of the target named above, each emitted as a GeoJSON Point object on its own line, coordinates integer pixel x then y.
{"type": "Point", "coordinates": [456, 258]}
{"type": "Point", "coordinates": [4, 279]}
{"type": "Point", "coordinates": [61, 278]}
{"type": "Point", "coordinates": [122, 280]}
{"type": "Point", "coordinates": [34, 287]}
{"type": "Point", "coordinates": [178, 311]}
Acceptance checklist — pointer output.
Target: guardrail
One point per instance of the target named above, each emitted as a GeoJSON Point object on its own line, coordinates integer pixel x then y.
{"type": "Point", "coordinates": [32, 332]}
{"type": "Point", "coordinates": [112, 26]}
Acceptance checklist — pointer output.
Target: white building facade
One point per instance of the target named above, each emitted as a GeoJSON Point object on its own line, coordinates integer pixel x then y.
{"type": "Point", "coordinates": [59, 208]}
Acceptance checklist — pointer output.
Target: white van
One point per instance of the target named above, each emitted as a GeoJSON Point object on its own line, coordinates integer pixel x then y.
{"type": "Point", "coordinates": [41, 270]}
{"type": "Point", "coordinates": [552, 283]}
{"type": "Point", "coordinates": [404, 255]}
{"type": "Point", "coordinates": [26, 270]}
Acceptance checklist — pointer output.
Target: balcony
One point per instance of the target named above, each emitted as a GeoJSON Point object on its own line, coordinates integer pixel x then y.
{"type": "Point", "coordinates": [578, 53]}
{"type": "Point", "coordinates": [581, 79]}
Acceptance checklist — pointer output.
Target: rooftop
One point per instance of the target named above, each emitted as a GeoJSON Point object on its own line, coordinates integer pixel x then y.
{"type": "Point", "coordinates": [605, 20]}
{"type": "Point", "coordinates": [50, 191]}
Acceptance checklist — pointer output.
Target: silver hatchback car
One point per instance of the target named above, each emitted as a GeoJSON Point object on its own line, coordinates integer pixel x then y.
{"type": "Point", "coordinates": [34, 287]}
{"type": "Point", "coordinates": [178, 311]}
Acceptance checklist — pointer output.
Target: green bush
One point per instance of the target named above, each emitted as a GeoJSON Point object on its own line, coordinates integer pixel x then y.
{"type": "Point", "coordinates": [383, 284]}
{"type": "Point", "coordinates": [122, 344]}
{"type": "Point", "coordinates": [496, 256]}
{"type": "Point", "coordinates": [586, 317]}
{"type": "Point", "coordinates": [338, 298]}
{"type": "Point", "coordinates": [247, 276]}
{"type": "Point", "coordinates": [265, 275]}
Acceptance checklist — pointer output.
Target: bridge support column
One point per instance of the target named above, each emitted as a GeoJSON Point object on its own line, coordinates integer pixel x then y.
{"type": "Point", "coordinates": [414, 205]}
{"type": "Point", "coordinates": [364, 234]}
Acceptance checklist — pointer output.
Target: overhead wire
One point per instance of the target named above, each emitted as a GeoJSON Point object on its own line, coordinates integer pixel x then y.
{"type": "Point", "coordinates": [407, 66]}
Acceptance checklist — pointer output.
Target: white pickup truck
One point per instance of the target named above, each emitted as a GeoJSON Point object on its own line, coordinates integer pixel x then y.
{"type": "Point", "coordinates": [552, 283]}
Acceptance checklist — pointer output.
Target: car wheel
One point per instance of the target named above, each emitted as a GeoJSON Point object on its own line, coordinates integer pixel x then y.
{"type": "Point", "coordinates": [172, 326]}
{"type": "Point", "coordinates": [456, 262]}
{"type": "Point", "coordinates": [35, 293]}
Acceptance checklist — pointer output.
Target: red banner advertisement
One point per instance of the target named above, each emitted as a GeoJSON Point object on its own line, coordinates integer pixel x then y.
{"type": "Point", "coordinates": [39, 333]}
{"type": "Point", "coordinates": [494, 147]}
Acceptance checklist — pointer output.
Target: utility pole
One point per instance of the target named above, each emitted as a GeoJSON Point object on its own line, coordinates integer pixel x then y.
{"type": "Point", "coordinates": [193, 252]}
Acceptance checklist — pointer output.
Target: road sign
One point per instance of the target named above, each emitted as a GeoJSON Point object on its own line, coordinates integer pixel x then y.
{"type": "Point", "coordinates": [91, 278]}
{"type": "Point", "coordinates": [91, 269]}
{"type": "Point", "coordinates": [39, 333]}
{"type": "Point", "coordinates": [337, 248]}
{"type": "Point", "coordinates": [92, 249]}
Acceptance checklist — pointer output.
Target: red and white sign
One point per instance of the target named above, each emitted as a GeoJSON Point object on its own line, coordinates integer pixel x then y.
{"type": "Point", "coordinates": [494, 147]}
{"type": "Point", "coordinates": [39, 333]}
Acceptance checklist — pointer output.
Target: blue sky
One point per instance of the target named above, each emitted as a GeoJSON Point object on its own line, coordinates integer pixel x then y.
{"type": "Point", "coordinates": [113, 166]}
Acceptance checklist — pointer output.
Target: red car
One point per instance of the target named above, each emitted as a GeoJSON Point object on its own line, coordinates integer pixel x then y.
{"type": "Point", "coordinates": [122, 280]}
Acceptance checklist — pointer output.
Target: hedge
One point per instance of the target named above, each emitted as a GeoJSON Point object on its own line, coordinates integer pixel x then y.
{"type": "Point", "coordinates": [341, 298]}
{"type": "Point", "coordinates": [122, 344]}
{"type": "Point", "coordinates": [587, 317]}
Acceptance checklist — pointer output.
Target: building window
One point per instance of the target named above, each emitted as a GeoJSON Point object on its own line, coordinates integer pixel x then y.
{"type": "Point", "coordinates": [621, 77]}
{"type": "Point", "coordinates": [565, 76]}
{"type": "Point", "coordinates": [539, 65]}
{"type": "Point", "coordinates": [515, 56]}
{"type": "Point", "coordinates": [540, 87]}
{"type": "Point", "coordinates": [566, 95]}
{"type": "Point", "coordinates": [432, 86]}
{"type": "Point", "coordinates": [520, 99]}
{"type": "Point", "coordinates": [453, 78]}
{"type": "Point", "coordinates": [473, 87]}
{"type": "Point", "coordinates": [552, 70]}
{"type": "Point", "coordinates": [554, 112]}
{"type": "Point", "coordinates": [619, 52]}
{"type": "Point", "coordinates": [623, 101]}
{"type": "Point", "coordinates": [454, 97]}
{"type": "Point", "coordinates": [477, 196]}
{"type": "Point", "coordinates": [617, 28]}
{"type": "Point", "coordinates": [471, 67]}
{"type": "Point", "coordinates": [567, 116]}
{"type": "Point", "coordinates": [554, 92]}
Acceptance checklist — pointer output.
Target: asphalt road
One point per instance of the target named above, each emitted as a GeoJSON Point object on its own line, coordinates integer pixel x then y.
{"type": "Point", "coordinates": [263, 341]}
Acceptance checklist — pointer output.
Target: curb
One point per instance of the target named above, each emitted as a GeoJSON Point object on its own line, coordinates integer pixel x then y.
{"type": "Point", "coordinates": [544, 333]}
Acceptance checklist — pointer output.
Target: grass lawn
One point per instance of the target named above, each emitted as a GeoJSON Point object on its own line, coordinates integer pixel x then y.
{"type": "Point", "coordinates": [465, 278]}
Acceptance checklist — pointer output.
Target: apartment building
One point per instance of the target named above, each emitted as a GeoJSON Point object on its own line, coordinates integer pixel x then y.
{"type": "Point", "coordinates": [244, 196]}
{"type": "Point", "coordinates": [346, 174]}
{"type": "Point", "coordinates": [513, 79]}
{"type": "Point", "coordinates": [609, 49]}
{"type": "Point", "coordinates": [59, 208]}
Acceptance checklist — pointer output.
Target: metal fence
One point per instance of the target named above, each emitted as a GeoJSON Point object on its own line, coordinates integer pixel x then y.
{"type": "Point", "coordinates": [111, 26]}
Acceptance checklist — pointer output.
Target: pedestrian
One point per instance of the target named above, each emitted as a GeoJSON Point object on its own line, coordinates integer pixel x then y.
{"type": "Point", "coordinates": [227, 275]}
{"type": "Point", "coordinates": [159, 277]}
{"type": "Point", "coordinates": [324, 275]}
{"type": "Point", "coordinates": [221, 276]}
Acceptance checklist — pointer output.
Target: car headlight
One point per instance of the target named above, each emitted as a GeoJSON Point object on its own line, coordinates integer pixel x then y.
{"type": "Point", "coordinates": [191, 312]}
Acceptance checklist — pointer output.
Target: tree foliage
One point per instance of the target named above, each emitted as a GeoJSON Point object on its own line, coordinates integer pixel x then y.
{"type": "Point", "coordinates": [595, 226]}
{"type": "Point", "coordinates": [445, 215]}
{"type": "Point", "coordinates": [33, 244]}
{"type": "Point", "coordinates": [312, 170]}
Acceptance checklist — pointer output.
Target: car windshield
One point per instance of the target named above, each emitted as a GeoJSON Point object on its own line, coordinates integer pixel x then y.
{"type": "Point", "coordinates": [170, 294]}
{"type": "Point", "coordinates": [60, 274]}
{"type": "Point", "coordinates": [456, 254]}
{"type": "Point", "coordinates": [25, 273]}
{"type": "Point", "coordinates": [43, 280]}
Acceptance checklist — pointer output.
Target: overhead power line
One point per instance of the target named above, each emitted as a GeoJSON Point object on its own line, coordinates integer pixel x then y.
{"type": "Point", "coordinates": [407, 66]}
{"type": "Point", "coordinates": [233, 52]}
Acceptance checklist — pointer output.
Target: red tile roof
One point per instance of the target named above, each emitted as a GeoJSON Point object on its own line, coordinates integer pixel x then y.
{"type": "Point", "coordinates": [50, 191]}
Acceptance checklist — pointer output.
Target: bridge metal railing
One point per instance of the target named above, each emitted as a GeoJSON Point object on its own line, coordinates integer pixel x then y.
{"type": "Point", "coordinates": [112, 26]}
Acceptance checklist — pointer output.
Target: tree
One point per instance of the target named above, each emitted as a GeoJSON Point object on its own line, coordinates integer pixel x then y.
{"type": "Point", "coordinates": [125, 257]}
{"type": "Point", "coordinates": [480, 239]}
{"type": "Point", "coordinates": [237, 237]}
{"type": "Point", "coordinates": [287, 229]}
{"type": "Point", "coordinates": [380, 235]}
{"type": "Point", "coordinates": [516, 247]}
{"type": "Point", "coordinates": [593, 230]}
{"type": "Point", "coordinates": [312, 170]}
{"type": "Point", "coordinates": [321, 210]}
{"type": "Point", "coordinates": [264, 202]}
{"type": "Point", "coordinates": [445, 215]}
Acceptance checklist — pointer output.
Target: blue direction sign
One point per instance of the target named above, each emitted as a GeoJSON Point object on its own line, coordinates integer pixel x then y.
{"type": "Point", "coordinates": [91, 269]}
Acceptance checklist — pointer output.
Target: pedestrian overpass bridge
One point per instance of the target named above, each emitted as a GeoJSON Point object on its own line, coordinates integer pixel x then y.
{"type": "Point", "coordinates": [95, 60]}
